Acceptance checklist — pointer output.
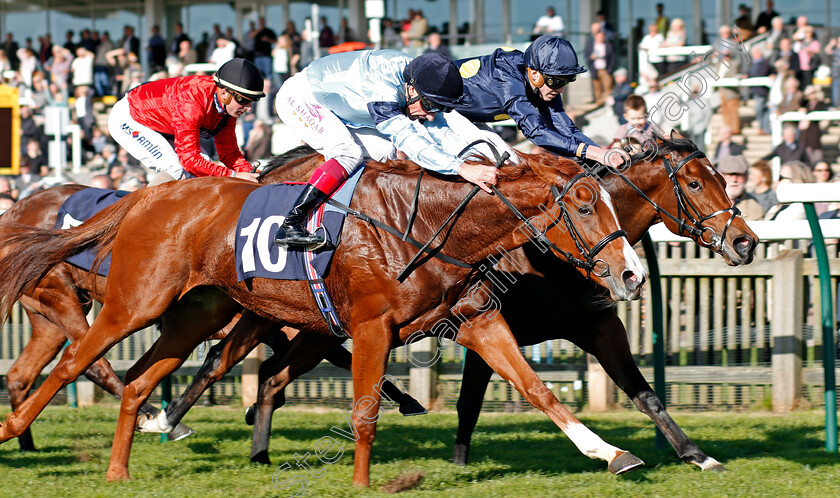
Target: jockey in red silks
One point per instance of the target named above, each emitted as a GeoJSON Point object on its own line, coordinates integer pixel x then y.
{"type": "Point", "coordinates": [368, 104]}
{"type": "Point", "coordinates": [160, 122]}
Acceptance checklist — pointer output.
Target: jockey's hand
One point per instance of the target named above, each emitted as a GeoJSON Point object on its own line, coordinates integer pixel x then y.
{"type": "Point", "coordinates": [246, 175]}
{"type": "Point", "coordinates": [615, 157]}
{"type": "Point", "coordinates": [479, 175]}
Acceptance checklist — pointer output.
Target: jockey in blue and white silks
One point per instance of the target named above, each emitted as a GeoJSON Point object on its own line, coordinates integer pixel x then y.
{"type": "Point", "coordinates": [527, 88]}
{"type": "Point", "coordinates": [370, 103]}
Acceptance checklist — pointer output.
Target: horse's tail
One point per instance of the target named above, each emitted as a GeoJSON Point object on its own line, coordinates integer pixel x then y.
{"type": "Point", "coordinates": [33, 252]}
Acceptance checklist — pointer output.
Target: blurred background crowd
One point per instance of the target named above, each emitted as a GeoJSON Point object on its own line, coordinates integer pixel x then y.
{"type": "Point", "coordinates": [89, 70]}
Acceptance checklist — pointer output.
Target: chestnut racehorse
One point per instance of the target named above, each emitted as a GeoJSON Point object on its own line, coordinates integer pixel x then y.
{"type": "Point", "coordinates": [666, 185]}
{"type": "Point", "coordinates": [171, 265]}
{"type": "Point", "coordinates": [57, 306]}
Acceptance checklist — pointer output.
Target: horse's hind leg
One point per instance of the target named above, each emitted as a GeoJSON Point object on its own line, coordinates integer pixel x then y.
{"type": "Point", "coordinates": [304, 353]}
{"type": "Point", "coordinates": [180, 334]}
{"type": "Point", "coordinates": [608, 343]}
{"type": "Point", "coordinates": [491, 338]}
{"type": "Point", "coordinates": [43, 346]}
{"type": "Point", "coordinates": [244, 337]}
{"type": "Point", "coordinates": [113, 325]}
{"type": "Point", "coordinates": [474, 382]}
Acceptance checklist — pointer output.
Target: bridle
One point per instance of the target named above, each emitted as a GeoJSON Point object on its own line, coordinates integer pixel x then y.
{"type": "Point", "coordinates": [689, 220]}
{"type": "Point", "coordinates": [588, 263]}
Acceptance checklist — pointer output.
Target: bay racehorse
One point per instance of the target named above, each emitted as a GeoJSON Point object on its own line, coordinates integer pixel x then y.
{"type": "Point", "coordinates": [673, 183]}
{"type": "Point", "coordinates": [171, 265]}
{"type": "Point", "coordinates": [58, 305]}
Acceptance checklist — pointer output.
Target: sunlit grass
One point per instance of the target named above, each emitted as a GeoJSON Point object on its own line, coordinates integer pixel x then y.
{"type": "Point", "coordinates": [512, 455]}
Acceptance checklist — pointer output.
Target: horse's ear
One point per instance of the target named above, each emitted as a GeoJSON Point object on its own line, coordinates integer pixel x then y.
{"type": "Point", "coordinates": [675, 135]}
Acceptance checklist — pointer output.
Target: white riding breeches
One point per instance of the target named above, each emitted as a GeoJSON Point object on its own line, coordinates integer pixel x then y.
{"type": "Point", "coordinates": [152, 149]}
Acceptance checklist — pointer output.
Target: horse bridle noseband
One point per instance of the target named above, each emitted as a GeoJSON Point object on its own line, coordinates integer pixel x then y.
{"type": "Point", "coordinates": [692, 224]}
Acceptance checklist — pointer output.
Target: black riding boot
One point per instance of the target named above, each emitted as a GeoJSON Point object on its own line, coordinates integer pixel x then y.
{"type": "Point", "coordinates": [292, 232]}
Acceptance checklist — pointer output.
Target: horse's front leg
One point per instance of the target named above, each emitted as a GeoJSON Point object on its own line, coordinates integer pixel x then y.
{"type": "Point", "coordinates": [608, 343]}
{"type": "Point", "coordinates": [370, 358]}
{"type": "Point", "coordinates": [491, 338]}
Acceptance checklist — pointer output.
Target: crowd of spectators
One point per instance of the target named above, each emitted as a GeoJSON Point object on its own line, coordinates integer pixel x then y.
{"type": "Point", "coordinates": [789, 56]}
{"type": "Point", "coordinates": [89, 64]}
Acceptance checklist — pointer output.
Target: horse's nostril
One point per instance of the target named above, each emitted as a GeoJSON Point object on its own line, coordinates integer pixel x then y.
{"type": "Point", "coordinates": [743, 246]}
{"type": "Point", "coordinates": [632, 280]}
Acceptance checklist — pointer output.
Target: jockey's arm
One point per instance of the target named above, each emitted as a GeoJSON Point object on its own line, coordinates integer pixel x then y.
{"type": "Point", "coordinates": [430, 155]}
{"type": "Point", "coordinates": [188, 147]}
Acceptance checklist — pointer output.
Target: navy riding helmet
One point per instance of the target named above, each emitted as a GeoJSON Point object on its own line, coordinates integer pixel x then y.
{"type": "Point", "coordinates": [553, 56]}
{"type": "Point", "coordinates": [435, 77]}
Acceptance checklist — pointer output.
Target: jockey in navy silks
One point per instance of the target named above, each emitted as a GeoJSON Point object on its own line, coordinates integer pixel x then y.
{"type": "Point", "coordinates": [527, 88]}
{"type": "Point", "coordinates": [370, 103]}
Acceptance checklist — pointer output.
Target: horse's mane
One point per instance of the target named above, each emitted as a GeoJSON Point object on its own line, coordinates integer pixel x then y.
{"type": "Point", "coordinates": [565, 166]}
{"type": "Point", "coordinates": [666, 146]}
{"type": "Point", "coordinates": [297, 154]}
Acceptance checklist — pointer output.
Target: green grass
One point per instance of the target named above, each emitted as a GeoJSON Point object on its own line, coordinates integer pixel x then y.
{"type": "Point", "coordinates": [512, 456]}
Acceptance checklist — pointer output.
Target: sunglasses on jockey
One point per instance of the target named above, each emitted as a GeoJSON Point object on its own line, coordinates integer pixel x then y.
{"type": "Point", "coordinates": [556, 82]}
{"type": "Point", "coordinates": [239, 98]}
{"type": "Point", "coordinates": [428, 105]}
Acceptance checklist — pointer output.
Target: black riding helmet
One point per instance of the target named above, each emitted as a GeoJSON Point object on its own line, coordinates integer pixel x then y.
{"type": "Point", "coordinates": [241, 77]}
{"type": "Point", "coordinates": [435, 77]}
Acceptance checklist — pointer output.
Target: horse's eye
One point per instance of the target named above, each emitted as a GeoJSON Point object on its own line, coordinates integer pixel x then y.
{"type": "Point", "coordinates": [695, 186]}
{"type": "Point", "coordinates": [585, 210]}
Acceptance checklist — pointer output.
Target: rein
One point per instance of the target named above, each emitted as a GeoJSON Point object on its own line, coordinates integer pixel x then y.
{"type": "Point", "coordinates": [692, 224]}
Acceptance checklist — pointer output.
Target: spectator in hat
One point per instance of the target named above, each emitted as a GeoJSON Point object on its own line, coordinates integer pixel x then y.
{"type": "Point", "coordinates": [159, 123]}
{"type": "Point", "coordinates": [734, 171]}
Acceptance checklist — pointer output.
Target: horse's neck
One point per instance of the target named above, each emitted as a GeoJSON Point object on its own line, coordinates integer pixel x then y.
{"type": "Point", "coordinates": [636, 215]}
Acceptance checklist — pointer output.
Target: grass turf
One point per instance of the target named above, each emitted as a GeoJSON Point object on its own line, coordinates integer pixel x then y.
{"type": "Point", "coordinates": [512, 455]}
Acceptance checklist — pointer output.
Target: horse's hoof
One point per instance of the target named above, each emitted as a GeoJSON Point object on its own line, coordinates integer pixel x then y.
{"type": "Point", "coordinates": [707, 463]}
{"type": "Point", "coordinates": [117, 475]}
{"type": "Point", "coordinates": [625, 462]}
{"type": "Point", "coordinates": [250, 414]}
{"type": "Point", "coordinates": [717, 467]}
{"type": "Point", "coordinates": [180, 432]}
{"type": "Point", "coordinates": [412, 408]}
{"type": "Point", "coordinates": [460, 454]}
{"type": "Point", "coordinates": [261, 457]}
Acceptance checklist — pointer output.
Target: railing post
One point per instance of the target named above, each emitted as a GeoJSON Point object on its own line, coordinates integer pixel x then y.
{"type": "Point", "coordinates": [600, 388]}
{"type": "Point", "coordinates": [423, 379]}
{"type": "Point", "coordinates": [72, 398]}
{"type": "Point", "coordinates": [786, 327]}
{"type": "Point", "coordinates": [165, 399]}
{"type": "Point", "coordinates": [250, 375]}
{"type": "Point", "coordinates": [827, 329]}
{"type": "Point", "coordinates": [658, 328]}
